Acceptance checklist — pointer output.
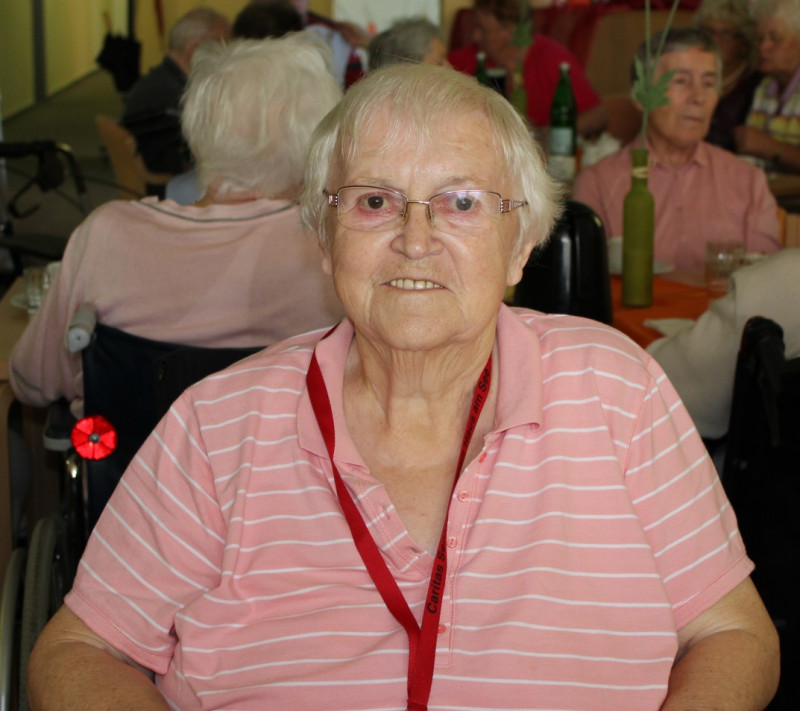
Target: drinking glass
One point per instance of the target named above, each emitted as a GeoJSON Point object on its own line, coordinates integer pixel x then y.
{"type": "Point", "coordinates": [723, 257]}
{"type": "Point", "coordinates": [35, 281]}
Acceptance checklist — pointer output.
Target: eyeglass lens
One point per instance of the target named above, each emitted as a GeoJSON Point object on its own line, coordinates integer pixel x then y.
{"type": "Point", "coordinates": [370, 208]}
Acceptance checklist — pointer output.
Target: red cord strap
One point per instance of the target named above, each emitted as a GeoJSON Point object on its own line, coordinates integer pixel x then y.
{"type": "Point", "coordinates": [421, 640]}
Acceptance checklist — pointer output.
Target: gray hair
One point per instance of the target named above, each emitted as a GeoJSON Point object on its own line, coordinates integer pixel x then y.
{"type": "Point", "coordinates": [405, 41]}
{"type": "Point", "coordinates": [250, 108]}
{"type": "Point", "coordinates": [786, 10]}
{"type": "Point", "coordinates": [679, 39]}
{"type": "Point", "coordinates": [422, 99]}
{"type": "Point", "coordinates": [196, 26]}
{"type": "Point", "coordinates": [738, 13]}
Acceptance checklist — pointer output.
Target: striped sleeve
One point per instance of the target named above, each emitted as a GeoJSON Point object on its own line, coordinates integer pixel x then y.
{"type": "Point", "coordinates": [158, 545]}
{"type": "Point", "coordinates": [688, 521]}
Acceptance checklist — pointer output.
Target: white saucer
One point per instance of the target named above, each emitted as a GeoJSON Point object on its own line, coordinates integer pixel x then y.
{"type": "Point", "coordinates": [658, 268]}
{"type": "Point", "coordinates": [19, 301]}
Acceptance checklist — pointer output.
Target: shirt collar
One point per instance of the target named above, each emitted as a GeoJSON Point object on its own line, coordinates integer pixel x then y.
{"type": "Point", "coordinates": [699, 157]}
{"type": "Point", "coordinates": [517, 366]}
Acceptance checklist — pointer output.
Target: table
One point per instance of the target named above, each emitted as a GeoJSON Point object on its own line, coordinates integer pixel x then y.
{"type": "Point", "coordinates": [671, 299]}
{"type": "Point", "coordinates": [12, 323]}
{"type": "Point", "coordinates": [784, 185]}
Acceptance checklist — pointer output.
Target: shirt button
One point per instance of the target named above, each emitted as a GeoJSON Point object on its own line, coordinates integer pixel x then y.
{"type": "Point", "coordinates": [442, 629]}
{"type": "Point", "coordinates": [463, 496]}
{"type": "Point", "coordinates": [452, 542]}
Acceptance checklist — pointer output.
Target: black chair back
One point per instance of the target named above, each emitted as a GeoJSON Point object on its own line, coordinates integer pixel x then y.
{"type": "Point", "coordinates": [569, 273]}
{"type": "Point", "coordinates": [761, 476]}
{"type": "Point", "coordinates": [132, 381]}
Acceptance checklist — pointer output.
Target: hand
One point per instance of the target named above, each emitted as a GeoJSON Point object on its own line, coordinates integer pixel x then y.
{"type": "Point", "coordinates": [755, 142]}
{"type": "Point", "coordinates": [353, 34]}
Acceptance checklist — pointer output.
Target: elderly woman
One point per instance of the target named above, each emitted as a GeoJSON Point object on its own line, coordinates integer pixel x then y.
{"type": "Point", "coordinates": [413, 40]}
{"type": "Point", "coordinates": [731, 24]}
{"type": "Point", "coordinates": [700, 190]}
{"type": "Point", "coordinates": [439, 503]}
{"type": "Point", "coordinates": [234, 269]}
{"type": "Point", "coordinates": [496, 23]}
{"type": "Point", "coordinates": [772, 132]}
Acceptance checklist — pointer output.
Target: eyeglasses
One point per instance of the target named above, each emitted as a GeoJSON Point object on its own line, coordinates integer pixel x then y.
{"type": "Point", "coordinates": [369, 208]}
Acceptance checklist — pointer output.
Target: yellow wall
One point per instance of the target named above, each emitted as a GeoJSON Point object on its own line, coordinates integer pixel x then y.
{"type": "Point", "coordinates": [16, 56]}
{"type": "Point", "coordinates": [449, 9]}
{"type": "Point", "coordinates": [74, 32]}
{"type": "Point", "coordinates": [73, 36]}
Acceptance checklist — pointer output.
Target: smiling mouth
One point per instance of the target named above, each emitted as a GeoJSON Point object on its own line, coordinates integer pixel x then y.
{"type": "Point", "coordinates": [414, 284]}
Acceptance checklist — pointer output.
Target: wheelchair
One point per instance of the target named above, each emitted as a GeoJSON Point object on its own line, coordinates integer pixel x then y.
{"type": "Point", "coordinates": [761, 476]}
{"type": "Point", "coordinates": [129, 384]}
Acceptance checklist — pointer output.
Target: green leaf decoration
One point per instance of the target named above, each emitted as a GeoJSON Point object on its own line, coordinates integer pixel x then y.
{"type": "Point", "coordinates": [650, 94]}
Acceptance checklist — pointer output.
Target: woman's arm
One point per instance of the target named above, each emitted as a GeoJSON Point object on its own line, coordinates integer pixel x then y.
{"type": "Point", "coordinates": [592, 122]}
{"type": "Point", "coordinates": [72, 668]}
{"type": "Point", "coordinates": [728, 657]}
{"type": "Point", "coordinates": [752, 141]}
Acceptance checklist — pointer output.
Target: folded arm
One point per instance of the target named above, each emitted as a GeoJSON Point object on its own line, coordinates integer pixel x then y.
{"type": "Point", "coordinates": [728, 657]}
{"type": "Point", "coordinates": [592, 122]}
{"type": "Point", "coordinates": [755, 142]}
{"type": "Point", "coordinates": [72, 668]}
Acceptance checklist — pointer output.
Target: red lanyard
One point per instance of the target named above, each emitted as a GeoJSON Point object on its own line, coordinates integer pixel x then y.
{"type": "Point", "coordinates": [421, 639]}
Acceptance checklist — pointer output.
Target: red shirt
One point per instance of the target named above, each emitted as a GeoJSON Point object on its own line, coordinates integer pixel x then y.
{"type": "Point", "coordinates": [540, 72]}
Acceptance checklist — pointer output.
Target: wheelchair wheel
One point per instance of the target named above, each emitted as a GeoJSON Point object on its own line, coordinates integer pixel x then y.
{"type": "Point", "coordinates": [10, 617]}
{"type": "Point", "coordinates": [48, 577]}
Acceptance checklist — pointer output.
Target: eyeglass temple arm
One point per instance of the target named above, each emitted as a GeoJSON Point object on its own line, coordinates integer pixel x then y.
{"type": "Point", "coordinates": [509, 205]}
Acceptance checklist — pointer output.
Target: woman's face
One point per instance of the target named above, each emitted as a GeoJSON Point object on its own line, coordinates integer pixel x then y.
{"type": "Point", "coordinates": [778, 48]}
{"type": "Point", "coordinates": [732, 45]}
{"type": "Point", "coordinates": [413, 286]}
{"type": "Point", "coordinates": [491, 35]}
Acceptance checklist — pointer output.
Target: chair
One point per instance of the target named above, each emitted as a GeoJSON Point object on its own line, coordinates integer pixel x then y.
{"type": "Point", "coordinates": [789, 228]}
{"type": "Point", "coordinates": [127, 163]}
{"type": "Point", "coordinates": [624, 117]}
{"type": "Point", "coordinates": [761, 476]}
{"type": "Point", "coordinates": [569, 273]}
{"type": "Point", "coordinates": [130, 381]}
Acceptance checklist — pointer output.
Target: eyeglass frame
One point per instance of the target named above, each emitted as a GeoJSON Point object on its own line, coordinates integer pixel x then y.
{"type": "Point", "coordinates": [507, 205]}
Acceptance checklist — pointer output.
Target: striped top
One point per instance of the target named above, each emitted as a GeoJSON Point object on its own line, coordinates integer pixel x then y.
{"type": "Point", "coordinates": [590, 527]}
{"type": "Point", "coordinates": [775, 112]}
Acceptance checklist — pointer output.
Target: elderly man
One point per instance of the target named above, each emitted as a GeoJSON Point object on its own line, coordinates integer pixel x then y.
{"type": "Point", "coordinates": [700, 191]}
{"type": "Point", "coordinates": [152, 108]}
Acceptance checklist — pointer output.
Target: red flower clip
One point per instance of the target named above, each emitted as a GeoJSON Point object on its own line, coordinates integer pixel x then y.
{"type": "Point", "coordinates": [94, 437]}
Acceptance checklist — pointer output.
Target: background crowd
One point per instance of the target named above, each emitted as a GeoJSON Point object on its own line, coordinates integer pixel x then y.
{"type": "Point", "coordinates": [322, 175]}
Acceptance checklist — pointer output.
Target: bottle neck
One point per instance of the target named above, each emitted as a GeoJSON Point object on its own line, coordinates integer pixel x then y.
{"type": "Point", "coordinates": [639, 175]}
{"type": "Point", "coordinates": [639, 169]}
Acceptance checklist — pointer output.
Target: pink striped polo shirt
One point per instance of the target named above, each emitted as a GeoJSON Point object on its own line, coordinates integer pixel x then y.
{"type": "Point", "coordinates": [590, 527]}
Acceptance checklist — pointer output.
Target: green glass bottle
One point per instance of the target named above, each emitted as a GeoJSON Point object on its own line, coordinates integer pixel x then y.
{"type": "Point", "coordinates": [480, 69]}
{"type": "Point", "coordinates": [563, 133]}
{"type": "Point", "coordinates": [638, 224]}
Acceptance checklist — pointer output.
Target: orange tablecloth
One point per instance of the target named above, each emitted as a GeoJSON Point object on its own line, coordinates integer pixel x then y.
{"type": "Point", "coordinates": [670, 300]}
